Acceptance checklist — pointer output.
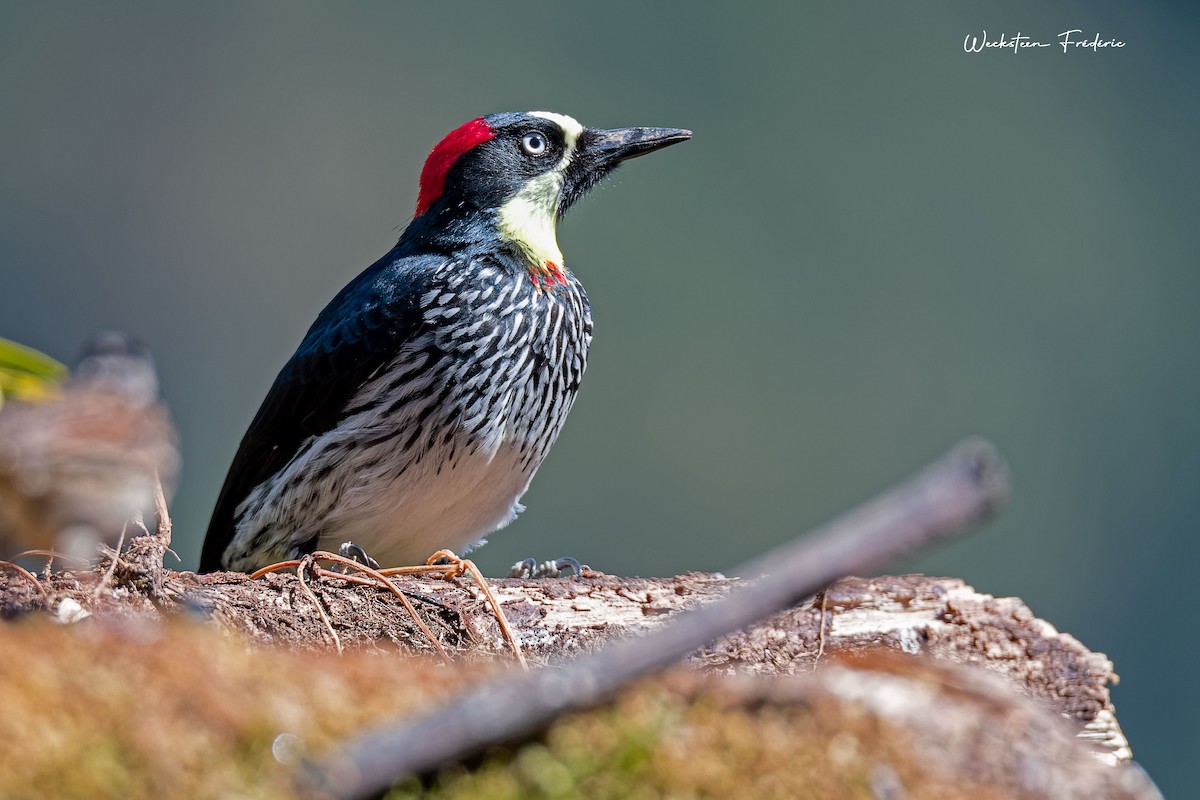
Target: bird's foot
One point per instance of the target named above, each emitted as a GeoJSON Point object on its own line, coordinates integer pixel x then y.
{"type": "Point", "coordinates": [355, 552]}
{"type": "Point", "coordinates": [530, 568]}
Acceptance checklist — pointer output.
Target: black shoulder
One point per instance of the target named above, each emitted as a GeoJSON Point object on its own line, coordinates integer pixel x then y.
{"type": "Point", "coordinates": [356, 335]}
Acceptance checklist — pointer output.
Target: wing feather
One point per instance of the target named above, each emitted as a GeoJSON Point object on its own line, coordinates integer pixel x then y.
{"type": "Point", "coordinates": [353, 337]}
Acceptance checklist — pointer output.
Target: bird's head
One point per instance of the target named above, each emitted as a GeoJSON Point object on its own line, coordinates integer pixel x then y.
{"type": "Point", "coordinates": [522, 171]}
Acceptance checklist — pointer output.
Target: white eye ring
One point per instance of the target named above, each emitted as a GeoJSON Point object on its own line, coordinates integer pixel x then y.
{"type": "Point", "coordinates": [533, 143]}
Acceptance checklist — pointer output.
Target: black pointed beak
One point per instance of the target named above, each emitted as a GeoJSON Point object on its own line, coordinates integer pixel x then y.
{"type": "Point", "coordinates": [622, 144]}
{"type": "Point", "coordinates": [599, 152]}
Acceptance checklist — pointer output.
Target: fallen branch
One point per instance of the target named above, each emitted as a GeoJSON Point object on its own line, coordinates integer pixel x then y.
{"type": "Point", "coordinates": [962, 489]}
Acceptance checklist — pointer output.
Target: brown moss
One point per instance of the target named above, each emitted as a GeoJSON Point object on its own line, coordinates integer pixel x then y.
{"type": "Point", "coordinates": [111, 708]}
{"type": "Point", "coordinates": [180, 710]}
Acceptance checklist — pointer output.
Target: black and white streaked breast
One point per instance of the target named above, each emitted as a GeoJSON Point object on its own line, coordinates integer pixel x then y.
{"type": "Point", "coordinates": [436, 448]}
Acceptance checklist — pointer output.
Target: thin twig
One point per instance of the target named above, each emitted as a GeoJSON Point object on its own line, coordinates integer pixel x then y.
{"type": "Point", "coordinates": [355, 579]}
{"type": "Point", "coordinates": [53, 554]}
{"type": "Point", "coordinates": [279, 566]}
{"type": "Point", "coordinates": [498, 611]}
{"type": "Point", "coordinates": [821, 630]}
{"type": "Point", "coordinates": [381, 581]}
{"type": "Point", "coordinates": [29, 576]}
{"type": "Point", "coordinates": [162, 529]}
{"type": "Point", "coordinates": [112, 567]}
{"type": "Point", "coordinates": [456, 567]}
{"type": "Point", "coordinates": [962, 489]}
{"type": "Point", "coordinates": [445, 570]}
{"type": "Point", "coordinates": [501, 619]}
{"type": "Point", "coordinates": [304, 564]}
{"type": "Point", "coordinates": [387, 582]}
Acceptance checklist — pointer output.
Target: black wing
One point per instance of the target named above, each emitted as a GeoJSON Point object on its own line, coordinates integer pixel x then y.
{"type": "Point", "coordinates": [358, 332]}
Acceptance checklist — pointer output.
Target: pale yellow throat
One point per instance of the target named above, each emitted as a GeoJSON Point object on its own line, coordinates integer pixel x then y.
{"type": "Point", "coordinates": [528, 220]}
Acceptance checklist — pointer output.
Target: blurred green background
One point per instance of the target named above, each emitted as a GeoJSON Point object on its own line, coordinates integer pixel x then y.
{"type": "Point", "coordinates": [875, 244]}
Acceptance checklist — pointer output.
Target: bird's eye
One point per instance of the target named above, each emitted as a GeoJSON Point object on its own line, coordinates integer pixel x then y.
{"type": "Point", "coordinates": [533, 143]}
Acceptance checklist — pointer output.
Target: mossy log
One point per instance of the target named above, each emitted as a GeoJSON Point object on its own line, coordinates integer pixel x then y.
{"type": "Point", "coordinates": [309, 682]}
{"type": "Point", "coordinates": [560, 618]}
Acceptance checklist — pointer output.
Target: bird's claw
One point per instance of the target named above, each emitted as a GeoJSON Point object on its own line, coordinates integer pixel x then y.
{"type": "Point", "coordinates": [530, 568]}
{"type": "Point", "coordinates": [355, 552]}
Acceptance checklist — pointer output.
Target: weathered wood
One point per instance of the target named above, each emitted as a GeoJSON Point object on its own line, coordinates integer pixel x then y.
{"type": "Point", "coordinates": [559, 618]}
{"type": "Point", "coordinates": [943, 618]}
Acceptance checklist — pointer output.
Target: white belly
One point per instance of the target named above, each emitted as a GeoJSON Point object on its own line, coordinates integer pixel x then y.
{"type": "Point", "coordinates": [423, 511]}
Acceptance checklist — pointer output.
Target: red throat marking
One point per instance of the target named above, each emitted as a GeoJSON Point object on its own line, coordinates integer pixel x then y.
{"type": "Point", "coordinates": [445, 153]}
{"type": "Point", "coordinates": [548, 275]}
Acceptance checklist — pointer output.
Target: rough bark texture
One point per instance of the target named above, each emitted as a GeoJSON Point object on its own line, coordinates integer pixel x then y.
{"type": "Point", "coordinates": [560, 618]}
{"type": "Point", "coordinates": [946, 619]}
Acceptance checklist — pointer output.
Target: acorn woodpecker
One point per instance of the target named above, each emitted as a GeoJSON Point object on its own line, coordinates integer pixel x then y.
{"type": "Point", "coordinates": [421, 402]}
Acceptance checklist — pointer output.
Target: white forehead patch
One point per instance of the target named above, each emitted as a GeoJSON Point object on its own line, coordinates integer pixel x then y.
{"type": "Point", "coordinates": [570, 126]}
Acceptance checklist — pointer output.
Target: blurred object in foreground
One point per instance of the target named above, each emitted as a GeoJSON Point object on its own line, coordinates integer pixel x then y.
{"type": "Point", "coordinates": [78, 465]}
{"type": "Point", "coordinates": [26, 374]}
